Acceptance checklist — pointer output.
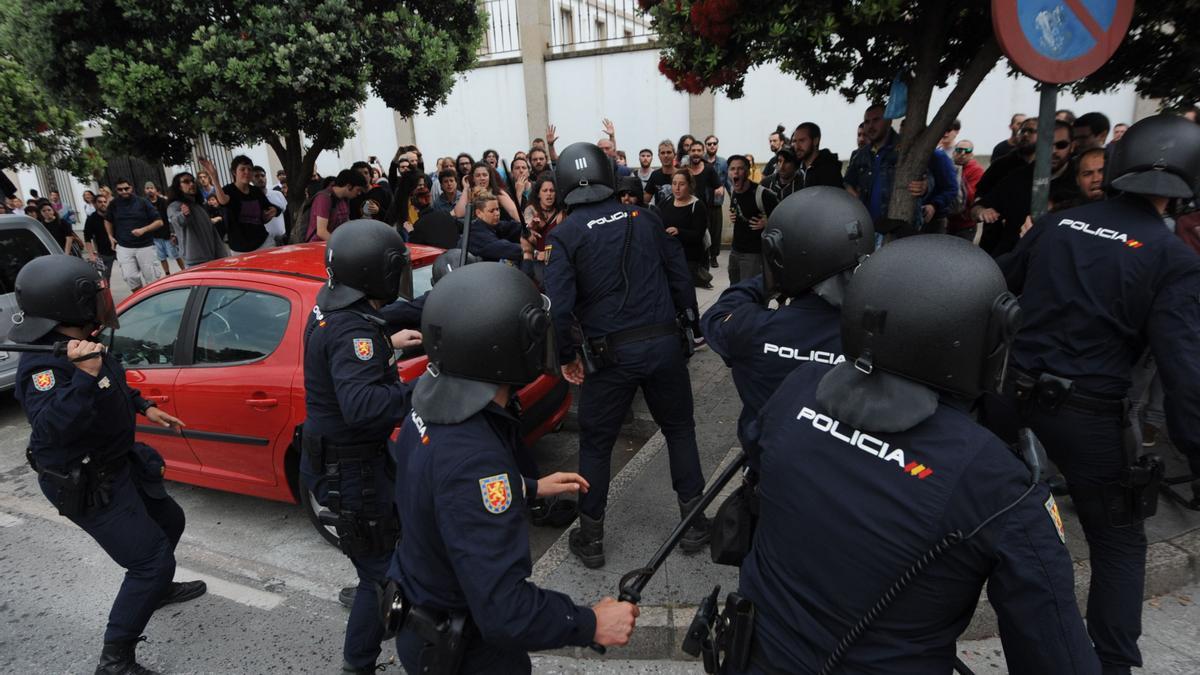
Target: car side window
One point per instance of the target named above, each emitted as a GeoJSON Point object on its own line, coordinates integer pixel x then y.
{"type": "Point", "coordinates": [17, 247]}
{"type": "Point", "coordinates": [150, 329]}
{"type": "Point", "coordinates": [238, 325]}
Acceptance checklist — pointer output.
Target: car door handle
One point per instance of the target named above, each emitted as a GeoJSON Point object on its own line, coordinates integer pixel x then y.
{"type": "Point", "coordinates": [157, 399]}
{"type": "Point", "coordinates": [262, 402]}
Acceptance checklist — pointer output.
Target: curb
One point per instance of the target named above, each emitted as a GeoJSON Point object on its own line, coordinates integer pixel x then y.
{"type": "Point", "coordinates": [1170, 564]}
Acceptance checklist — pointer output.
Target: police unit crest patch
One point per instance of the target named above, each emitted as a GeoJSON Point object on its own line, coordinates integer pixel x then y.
{"type": "Point", "coordinates": [364, 348]}
{"type": "Point", "coordinates": [496, 492]}
{"type": "Point", "coordinates": [43, 381]}
{"type": "Point", "coordinates": [1052, 509]}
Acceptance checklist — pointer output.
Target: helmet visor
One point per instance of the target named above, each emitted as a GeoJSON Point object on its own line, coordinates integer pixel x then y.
{"type": "Point", "coordinates": [106, 311]}
{"type": "Point", "coordinates": [540, 354]}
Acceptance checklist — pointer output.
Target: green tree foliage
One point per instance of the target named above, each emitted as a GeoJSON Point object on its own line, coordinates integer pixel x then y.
{"type": "Point", "coordinates": [857, 48]}
{"type": "Point", "coordinates": [35, 130]}
{"type": "Point", "coordinates": [158, 73]}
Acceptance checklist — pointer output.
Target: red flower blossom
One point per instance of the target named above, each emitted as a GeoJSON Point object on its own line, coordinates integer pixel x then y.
{"type": "Point", "coordinates": [712, 19]}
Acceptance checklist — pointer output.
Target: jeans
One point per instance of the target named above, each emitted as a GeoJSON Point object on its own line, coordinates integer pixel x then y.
{"type": "Point", "coordinates": [744, 266]}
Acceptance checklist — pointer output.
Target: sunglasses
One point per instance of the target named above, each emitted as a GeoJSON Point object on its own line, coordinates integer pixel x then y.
{"type": "Point", "coordinates": [1062, 145]}
{"type": "Point", "coordinates": [710, 143]}
{"type": "Point", "coordinates": [963, 151]}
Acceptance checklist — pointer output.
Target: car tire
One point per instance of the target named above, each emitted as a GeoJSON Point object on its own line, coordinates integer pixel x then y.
{"type": "Point", "coordinates": [308, 501]}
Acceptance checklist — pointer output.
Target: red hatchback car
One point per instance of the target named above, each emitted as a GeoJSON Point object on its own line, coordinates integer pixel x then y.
{"type": "Point", "coordinates": [220, 346]}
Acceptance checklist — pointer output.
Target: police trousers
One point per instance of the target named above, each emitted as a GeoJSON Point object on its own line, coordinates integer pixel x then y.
{"type": "Point", "coordinates": [658, 367]}
{"type": "Point", "coordinates": [481, 657]}
{"type": "Point", "coordinates": [139, 533]}
{"type": "Point", "coordinates": [1089, 450]}
{"type": "Point", "coordinates": [364, 630]}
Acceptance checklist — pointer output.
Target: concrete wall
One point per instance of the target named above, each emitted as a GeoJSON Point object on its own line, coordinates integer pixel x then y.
{"type": "Point", "coordinates": [485, 110]}
{"type": "Point", "coordinates": [624, 87]}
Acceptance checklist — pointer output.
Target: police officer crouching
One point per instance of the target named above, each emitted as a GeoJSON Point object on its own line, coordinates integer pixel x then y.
{"type": "Point", "coordinates": [354, 399]}
{"type": "Point", "coordinates": [463, 564]}
{"type": "Point", "coordinates": [81, 416]}
{"type": "Point", "coordinates": [615, 270]}
{"type": "Point", "coordinates": [1099, 284]}
{"type": "Point", "coordinates": [811, 244]}
{"type": "Point", "coordinates": [885, 508]}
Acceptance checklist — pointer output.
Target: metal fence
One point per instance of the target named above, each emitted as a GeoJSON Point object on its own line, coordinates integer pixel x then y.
{"type": "Point", "coordinates": [220, 156]}
{"type": "Point", "coordinates": [588, 24]}
{"type": "Point", "coordinates": [501, 38]}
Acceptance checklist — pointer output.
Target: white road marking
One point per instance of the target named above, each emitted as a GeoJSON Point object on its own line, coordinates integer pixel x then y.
{"type": "Point", "coordinates": [239, 593]}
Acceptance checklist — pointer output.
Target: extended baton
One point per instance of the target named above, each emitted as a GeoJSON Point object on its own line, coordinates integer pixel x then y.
{"type": "Point", "coordinates": [635, 581]}
{"type": "Point", "coordinates": [57, 349]}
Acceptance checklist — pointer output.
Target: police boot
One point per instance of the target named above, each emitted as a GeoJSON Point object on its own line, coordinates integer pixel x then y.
{"type": "Point", "coordinates": [587, 541]}
{"type": "Point", "coordinates": [696, 537]}
{"type": "Point", "coordinates": [347, 669]}
{"type": "Point", "coordinates": [182, 591]}
{"type": "Point", "coordinates": [118, 659]}
{"type": "Point", "coordinates": [346, 596]}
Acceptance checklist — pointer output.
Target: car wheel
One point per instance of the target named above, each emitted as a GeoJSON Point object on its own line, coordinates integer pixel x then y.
{"type": "Point", "coordinates": [309, 502]}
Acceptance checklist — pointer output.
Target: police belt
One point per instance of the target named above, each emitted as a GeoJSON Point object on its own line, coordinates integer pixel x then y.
{"type": "Point", "coordinates": [97, 470]}
{"type": "Point", "coordinates": [654, 330]}
{"type": "Point", "coordinates": [349, 453]}
{"type": "Point", "coordinates": [1053, 392]}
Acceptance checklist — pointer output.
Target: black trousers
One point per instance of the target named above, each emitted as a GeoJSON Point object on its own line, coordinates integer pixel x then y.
{"type": "Point", "coordinates": [1089, 450]}
{"type": "Point", "coordinates": [139, 533]}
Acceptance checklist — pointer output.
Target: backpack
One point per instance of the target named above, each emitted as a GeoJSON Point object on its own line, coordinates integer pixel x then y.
{"type": "Point", "coordinates": [299, 233]}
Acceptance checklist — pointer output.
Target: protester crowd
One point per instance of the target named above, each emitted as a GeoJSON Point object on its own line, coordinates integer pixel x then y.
{"type": "Point", "coordinates": [512, 203]}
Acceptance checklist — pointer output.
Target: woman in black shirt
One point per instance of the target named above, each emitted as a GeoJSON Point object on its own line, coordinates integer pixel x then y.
{"type": "Point", "coordinates": [686, 219]}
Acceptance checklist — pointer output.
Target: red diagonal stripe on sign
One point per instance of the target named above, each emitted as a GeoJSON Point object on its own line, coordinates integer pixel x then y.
{"type": "Point", "coordinates": [1089, 22]}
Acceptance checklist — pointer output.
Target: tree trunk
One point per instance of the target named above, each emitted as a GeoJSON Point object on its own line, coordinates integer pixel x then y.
{"type": "Point", "coordinates": [918, 140]}
{"type": "Point", "coordinates": [298, 163]}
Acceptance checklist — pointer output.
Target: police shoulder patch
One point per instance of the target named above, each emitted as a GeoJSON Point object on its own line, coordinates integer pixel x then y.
{"type": "Point", "coordinates": [1056, 518]}
{"type": "Point", "coordinates": [44, 380]}
{"type": "Point", "coordinates": [496, 493]}
{"type": "Point", "coordinates": [364, 348]}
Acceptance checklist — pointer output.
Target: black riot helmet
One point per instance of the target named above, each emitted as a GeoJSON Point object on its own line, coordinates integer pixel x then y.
{"type": "Point", "coordinates": [584, 175]}
{"type": "Point", "coordinates": [483, 326]}
{"type": "Point", "coordinates": [812, 235]}
{"type": "Point", "coordinates": [1160, 156]}
{"type": "Point", "coordinates": [59, 289]}
{"type": "Point", "coordinates": [934, 309]}
{"type": "Point", "coordinates": [447, 262]}
{"type": "Point", "coordinates": [364, 259]}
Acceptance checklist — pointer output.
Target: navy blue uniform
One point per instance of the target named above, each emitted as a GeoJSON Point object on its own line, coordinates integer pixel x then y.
{"type": "Point", "coordinates": [762, 346]}
{"type": "Point", "coordinates": [876, 502]}
{"type": "Point", "coordinates": [73, 415]}
{"type": "Point", "coordinates": [1098, 284]}
{"type": "Point", "coordinates": [404, 314]}
{"type": "Point", "coordinates": [495, 243]}
{"type": "Point", "coordinates": [354, 397]}
{"type": "Point", "coordinates": [465, 547]}
{"type": "Point", "coordinates": [585, 282]}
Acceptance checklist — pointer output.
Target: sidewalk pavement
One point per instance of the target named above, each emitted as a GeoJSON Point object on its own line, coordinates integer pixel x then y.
{"type": "Point", "coordinates": [642, 511]}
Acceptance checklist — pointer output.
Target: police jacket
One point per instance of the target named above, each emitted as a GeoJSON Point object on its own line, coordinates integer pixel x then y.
{"type": "Point", "coordinates": [844, 513]}
{"type": "Point", "coordinates": [594, 276]}
{"type": "Point", "coordinates": [1099, 283]}
{"type": "Point", "coordinates": [73, 415]}
{"type": "Point", "coordinates": [404, 314]}
{"type": "Point", "coordinates": [465, 547]}
{"type": "Point", "coordinates": [495, 243]}
{"type": "Point", "coordinates": [762, 345]}
{"type": "Point", "coordinates": [352, 392]}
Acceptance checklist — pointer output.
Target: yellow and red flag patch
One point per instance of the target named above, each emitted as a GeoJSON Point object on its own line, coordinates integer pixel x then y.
{"type": "Point", "coordinates": [364, 348]}
{"type": "Point", "coordinates": [43, 381]}
{"type": "Point", "coordinates": [919, 470]}
{"type": "Point", "coordinates": [1052, 509]}
{"type": "Point", "coordinates": [496, 492]}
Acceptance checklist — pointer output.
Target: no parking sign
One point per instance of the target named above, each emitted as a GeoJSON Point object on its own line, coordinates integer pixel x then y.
{"type": "Point", "coordinates": [1057, 41]}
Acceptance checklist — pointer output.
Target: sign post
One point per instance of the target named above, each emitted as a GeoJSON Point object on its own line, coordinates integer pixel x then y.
{"type": "Point", "coordinates": [1054, 42]}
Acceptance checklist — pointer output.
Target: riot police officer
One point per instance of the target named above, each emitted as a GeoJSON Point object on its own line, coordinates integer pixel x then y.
{"type": "Point", "coordinates": [81, 416]}
{"type": "Point", "coordinates": [912, 506]}
{"type": "Point", "coordinates": [1099, 283]}
{"type": "Point", "coordinates": [463, 565]}
{"type": "Point", "coordinates": [812, 242]}
{"type": "Point", "coordinates": [614, 269]}
{"type": "Point", "coordinates": [354, 399]}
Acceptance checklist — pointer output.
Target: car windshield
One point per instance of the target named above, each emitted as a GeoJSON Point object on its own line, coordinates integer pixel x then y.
{"type": "Point", "coordinates": [422, 280]}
